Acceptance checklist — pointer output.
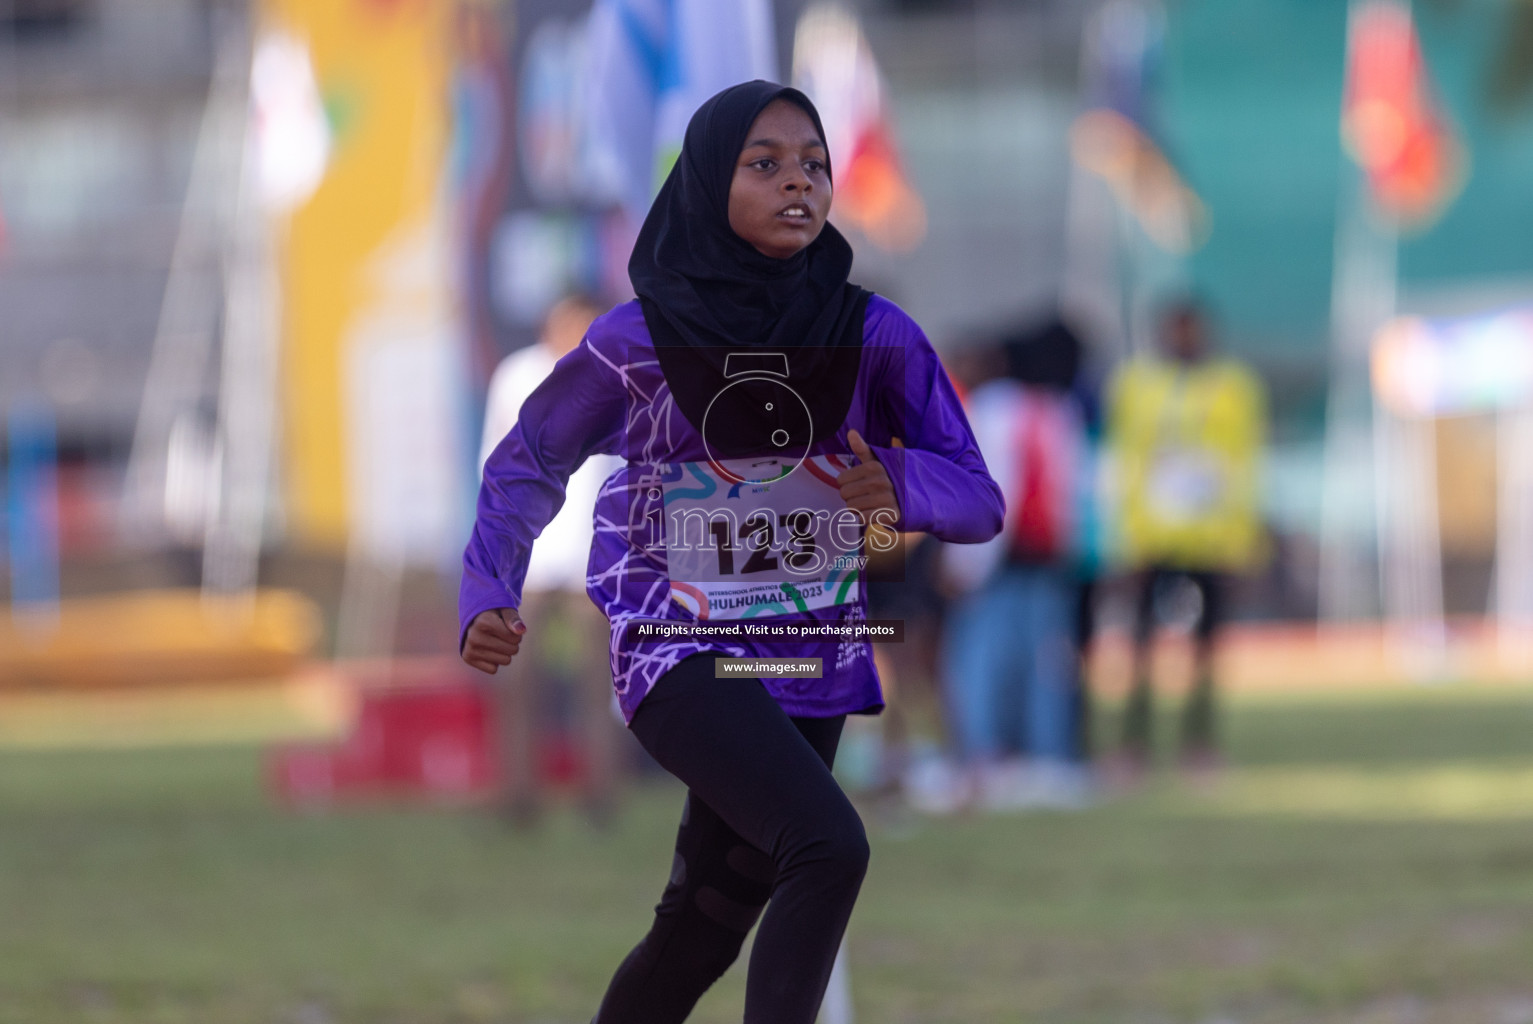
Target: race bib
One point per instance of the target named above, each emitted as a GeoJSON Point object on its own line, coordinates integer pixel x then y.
{"type": "Point", "coordinates": [747, 538]}
{"type": "Point", "coordinates": [1184, 484]}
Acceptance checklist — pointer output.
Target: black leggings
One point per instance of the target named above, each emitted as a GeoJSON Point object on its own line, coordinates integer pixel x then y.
{"type": "Point", "coordinates": [764, 820]}
{"type": "Point", "coordinates": [1199, 713]}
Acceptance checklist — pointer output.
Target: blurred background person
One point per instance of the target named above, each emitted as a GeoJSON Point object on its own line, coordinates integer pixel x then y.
{"type": "Point", "coordinates": [1052, 355]}
{"type": "Point", "coordinates": [903, 585]}
{"type": "Point", "coordinates": [1008, 653]}
{"type": "Point", "coordinates": [531, 707]}
{"type": "Point", "coordinates": [1185, 429]}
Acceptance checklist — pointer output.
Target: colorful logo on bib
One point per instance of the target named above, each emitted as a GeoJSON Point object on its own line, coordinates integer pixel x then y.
{"type": "Point", "coordinates": [741, 549]}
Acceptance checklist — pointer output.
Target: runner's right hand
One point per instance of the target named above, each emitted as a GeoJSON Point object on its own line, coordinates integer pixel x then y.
{"type": "Point", "coordinates": [493, 639]}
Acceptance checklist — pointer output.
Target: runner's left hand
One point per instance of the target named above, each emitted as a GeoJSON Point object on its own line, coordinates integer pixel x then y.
{"type": "Point", "coordinates": [866, 487]}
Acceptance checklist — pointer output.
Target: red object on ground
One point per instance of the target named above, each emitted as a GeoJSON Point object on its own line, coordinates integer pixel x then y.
{"type": "Point", "coordinates": [424, 741]}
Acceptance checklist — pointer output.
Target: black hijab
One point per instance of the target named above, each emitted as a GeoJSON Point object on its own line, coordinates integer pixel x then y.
{"type": "Point", "coordinates": [706, 292]}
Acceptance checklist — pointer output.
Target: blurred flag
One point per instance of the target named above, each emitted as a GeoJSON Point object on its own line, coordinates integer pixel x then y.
{"type": "Point", "coordinates": [651, 64]}
{"type": "Point", "coordinates": [834, 66]}
{"type": "Point", "coordinates": [1391, 123]}
{"type": "Point", "coordinates": [1115, 139]}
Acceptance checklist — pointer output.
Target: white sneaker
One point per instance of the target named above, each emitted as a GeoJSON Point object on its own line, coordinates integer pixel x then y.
{"type": "Point", "coordinates": [1004, 785]}
{"type": "Point", "coordinates": [934, 785]}
{"type": "Point", "coordinates": [1061, 785]}
{"type": "Point", "coordinates": [1019, 785]}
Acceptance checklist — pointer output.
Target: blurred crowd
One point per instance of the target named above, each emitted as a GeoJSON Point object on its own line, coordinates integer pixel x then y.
{"type": "Point", "coordinates": [1132, 486]}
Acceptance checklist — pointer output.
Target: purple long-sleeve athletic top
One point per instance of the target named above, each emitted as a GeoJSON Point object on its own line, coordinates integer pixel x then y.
{"type": "Point", "coordinates": [610, 395]}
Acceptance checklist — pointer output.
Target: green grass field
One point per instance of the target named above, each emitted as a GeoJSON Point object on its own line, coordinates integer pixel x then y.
{"type": "Point", "coordinates": [1368, 859]}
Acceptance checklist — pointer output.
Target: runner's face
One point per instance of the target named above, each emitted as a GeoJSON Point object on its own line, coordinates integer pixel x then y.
{"type": "Point", "coordinates": [780, 194]}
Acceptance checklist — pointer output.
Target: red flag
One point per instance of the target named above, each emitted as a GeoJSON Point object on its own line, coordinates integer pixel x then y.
{"type": "Point", "coordinates": [834, 65]}
{"type": "Point", "coordinates": [1391, 123]}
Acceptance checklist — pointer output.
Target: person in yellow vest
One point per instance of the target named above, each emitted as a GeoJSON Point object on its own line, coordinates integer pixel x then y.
{"type": "Point", "coordinates": [1185, 433]}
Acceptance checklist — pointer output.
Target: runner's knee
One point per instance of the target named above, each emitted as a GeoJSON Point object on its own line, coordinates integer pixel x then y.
{"type": "Point", "coordinates": [840, 851]}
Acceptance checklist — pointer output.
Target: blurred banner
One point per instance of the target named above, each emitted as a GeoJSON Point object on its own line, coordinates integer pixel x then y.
{"type": "Point", "coordinates": [1391, 122]}
{"type": "Point", "coordinates": [834, 66]}
{"type": "Point", "coordinates": [374, 366]}
{"type": "Point", "coordinates": [1453, 367]}
{"type": "Point", "coordinates": [1428, 375]}
{"type": "Point", "coordinates": [548, 234]}
{"type": "Point", "coordinates": [603, 96]}
{"type": "Point", "coordinates": [469, 176]}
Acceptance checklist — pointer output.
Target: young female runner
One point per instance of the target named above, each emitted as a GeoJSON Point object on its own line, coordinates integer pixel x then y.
{"type": "Point", "coordinates": [757, 396]}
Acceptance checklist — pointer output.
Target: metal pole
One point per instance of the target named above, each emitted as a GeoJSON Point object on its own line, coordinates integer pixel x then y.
{"type": "Point", "coordinates": [837, 1007]}
{"type": "Point", "coordinates": [183, 340]}
{"type": "Point", "coordinates": [1513, 594]}
{"type": "Point", "coordinates": [247, 396]}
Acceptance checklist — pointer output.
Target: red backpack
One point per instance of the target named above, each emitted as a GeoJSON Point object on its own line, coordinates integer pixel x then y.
{"type": "Point", "coordinates": [1044, 445]}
